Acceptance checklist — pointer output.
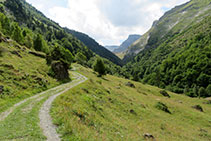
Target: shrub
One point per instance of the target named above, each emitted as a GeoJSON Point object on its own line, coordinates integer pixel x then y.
{"type": "Point", "coordinates": [202, 92]}
{"type": "Point", "coordinates": [198, 107]}
{"type": "Point", "coordinates": [163, 107]}
{"type": "Point", "coordinates": [164, 93]}
{"type": "Point", "coordinates": [208, 90]}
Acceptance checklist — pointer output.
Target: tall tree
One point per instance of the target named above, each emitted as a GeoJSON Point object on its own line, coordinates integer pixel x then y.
{"type": "Point", "coordinates": [40, 44]}
{"type": "Point", "coordinates": [80, 58]}
{"type": "Point", "coordinates": [17, 33]}
{"type": "Point", "coordinates": [99, 67]}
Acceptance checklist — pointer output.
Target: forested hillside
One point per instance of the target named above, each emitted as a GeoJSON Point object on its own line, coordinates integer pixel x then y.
{"type": "Point", "coordinates": [28, 17]}
{"type": "Point", "coordinates": [95, 47]}
{"type": "Point", "coordinates": [181, 64]}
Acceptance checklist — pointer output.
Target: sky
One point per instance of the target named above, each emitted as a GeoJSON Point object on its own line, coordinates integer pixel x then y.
{"type": "Point", "coordinates": [109, 22]}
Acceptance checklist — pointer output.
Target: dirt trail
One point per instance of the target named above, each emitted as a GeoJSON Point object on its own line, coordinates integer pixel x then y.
{"type": "Point", "coordinates": [49, 130]}
{"type": "Point", "coordinates": [46, 124]}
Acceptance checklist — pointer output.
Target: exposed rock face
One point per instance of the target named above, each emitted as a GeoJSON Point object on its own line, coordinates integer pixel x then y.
{"type": "Point", "coordinates": [1, 89]}
{"type": "Point", "coordinates": [60, 70]}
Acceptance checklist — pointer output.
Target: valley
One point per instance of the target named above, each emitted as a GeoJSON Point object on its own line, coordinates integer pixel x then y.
{"type": "Point", "coordinates": [57, 83]}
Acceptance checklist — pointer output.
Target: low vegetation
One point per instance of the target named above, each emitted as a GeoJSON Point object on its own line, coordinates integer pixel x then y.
{"type": "Point", "coordinates": [104, 108]}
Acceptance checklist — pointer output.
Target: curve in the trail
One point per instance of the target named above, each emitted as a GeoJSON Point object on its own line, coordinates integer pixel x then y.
{"type": "Point", "coordinates": [49, 129]}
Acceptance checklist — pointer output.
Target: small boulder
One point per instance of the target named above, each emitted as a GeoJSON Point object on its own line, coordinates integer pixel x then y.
{"type": "Point", "coordinates": [132, 112]}
{"type": "Point", "coordinates": [164, 93]}
{"type": "Point", "coordinates": [198, 107]}
{"type": "Point", "coordinates": [129, 84]}
{"type": "Point", "coordinates": [148, 136]}
{"type": "Point", "coordinates": [1, 89]}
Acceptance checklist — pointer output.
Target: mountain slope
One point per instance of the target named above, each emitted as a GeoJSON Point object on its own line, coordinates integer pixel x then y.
{"type": "Point", "coordinates": [111, 48]}
{"type": "Point", "coordinates": [105, 108]}
{"type": "Point", "coordinates": [22, 74]}
{"type": "Point", "coordinates": [171, 23]}
{"type": "Point", "coordinates": [95, 47]}
{"type": "Point", "coordinates": [27, 16]}
{"type": "Point", "coordinates": [180, 64]}
{"type": "Point", "coordinates": [124, 46]}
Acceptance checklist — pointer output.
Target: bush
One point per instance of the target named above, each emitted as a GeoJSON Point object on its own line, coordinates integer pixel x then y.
{"type": "Point", "coordinates": [164, 93]}
{"type": "Point", "coordinates": [198, 107]}
{"type": "Point", "coordinates": [163, 107]}
{"type": "Point", "coordinates": [208, 90]}
{"type": "Point", "coordinates": [202, 92]}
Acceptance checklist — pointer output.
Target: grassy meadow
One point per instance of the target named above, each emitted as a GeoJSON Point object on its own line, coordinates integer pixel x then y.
{"type": "Point", "coordinates": [106, 109]}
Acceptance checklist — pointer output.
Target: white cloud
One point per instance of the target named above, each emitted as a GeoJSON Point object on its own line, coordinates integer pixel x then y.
{"type": "Point", "coordinates": [110, 21]}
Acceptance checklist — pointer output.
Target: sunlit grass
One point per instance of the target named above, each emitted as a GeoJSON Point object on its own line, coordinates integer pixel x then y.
{"type": "Point", "coordinates": [106, 109]}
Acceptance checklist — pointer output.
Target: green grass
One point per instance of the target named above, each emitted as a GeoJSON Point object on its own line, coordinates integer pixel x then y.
{"type": "Point", "coordinates": [22, 76]}
{"type": "Point", "coordinates": [23, 122]}
{"type": "Point", "coordinates": [106, 109]}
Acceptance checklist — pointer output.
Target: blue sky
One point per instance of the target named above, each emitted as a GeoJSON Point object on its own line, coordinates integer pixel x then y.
{"type": "Point", "coordinates": [108, 21]}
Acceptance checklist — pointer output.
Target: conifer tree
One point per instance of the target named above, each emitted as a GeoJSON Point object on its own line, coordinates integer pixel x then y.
{"type": "Point", "coordinates": [99, 67]}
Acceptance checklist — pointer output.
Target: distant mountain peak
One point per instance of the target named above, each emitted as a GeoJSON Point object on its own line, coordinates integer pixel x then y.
{"type": "Point", "coordinates": [127, 43]}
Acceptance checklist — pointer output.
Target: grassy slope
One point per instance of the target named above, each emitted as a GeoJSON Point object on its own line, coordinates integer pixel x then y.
{"type": "Point", "coordinates": [99, 109]}
{"type": "Point", "coordinates": [21, 77]}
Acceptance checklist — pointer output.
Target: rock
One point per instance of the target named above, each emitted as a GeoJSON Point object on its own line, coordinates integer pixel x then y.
{"type": "Point", "coordinates": [41, 55]}
{"type": "Point", "coordinates": [60, 70]}
{"type": "Point", "coordinates": [1, 89]}
{"type": "Point", "coordinates": [198, 107]}
{"type": "Point", "coordinates": [16, 53]}
{"type": "Point", "coordinates": [129, 84]}
{"type": "Point", "coordinates": [164, 93]}
{"type": "Point", "coordinates": [148, 136]}
{"type": "Point", "coordinates": [132, 112]}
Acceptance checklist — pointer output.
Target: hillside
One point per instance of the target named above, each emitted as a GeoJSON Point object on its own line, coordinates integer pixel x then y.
{"type": "Point", "coordinates": [180, 64]}
{"type": "Point", "coordinates": [95, 47]}
{"type": "Point", "coordinates": [127, 43]}
{"type": "Point", "coordinates": [106, 108]}
{"type": "Point", "coordinates": [170, 24]}
{"type": "Point", "coordinates": [27, 16]}
{"type": "Point", "coordinates": [22, 74]}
